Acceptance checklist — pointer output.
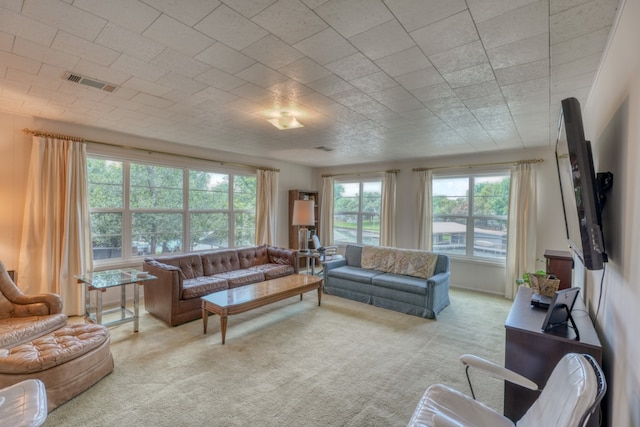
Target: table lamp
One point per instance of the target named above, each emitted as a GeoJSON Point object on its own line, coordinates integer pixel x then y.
{"type": "Point", "coordinates": [303, 215]}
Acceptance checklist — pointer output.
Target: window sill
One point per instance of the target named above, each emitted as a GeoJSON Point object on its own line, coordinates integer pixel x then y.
{"type": "Point", "coordinates": [478, 261]}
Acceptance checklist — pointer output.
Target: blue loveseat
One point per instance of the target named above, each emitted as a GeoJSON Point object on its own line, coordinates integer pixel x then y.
{"type": "Point", "coordinates": [409, 281]}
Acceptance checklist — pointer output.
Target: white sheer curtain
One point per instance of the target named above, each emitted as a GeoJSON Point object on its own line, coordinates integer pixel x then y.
{"type": "Point", "coordinates": [56, 232]}
{"type": "Point", "coordinates": [388, 210]}
{"type": "Point", "coordinates": [326, 211]}
{"type": "Point", "coordinates": [424, 214]}
{"type": "Point", "coordinates": [266, 204]}
{"type": "Point", "coordinates": [521, 242]}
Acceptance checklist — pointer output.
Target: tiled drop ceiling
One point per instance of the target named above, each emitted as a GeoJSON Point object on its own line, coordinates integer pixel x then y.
{"type": "Point", "coordinates": [370, 80]}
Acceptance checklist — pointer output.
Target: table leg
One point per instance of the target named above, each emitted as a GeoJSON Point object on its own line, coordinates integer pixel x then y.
{"type": "Point", "coordinates": [87, 302]}
{"type": "Point", "coordinates": [136, 306]}
{"type": "Point", "coordinates": [319, 295]}
{"type": "Point", "coordinates": [223, 326]}
{"type": "Point", "coordinates": [123, 300]}
{"type": "Point", "coordinates": [205, 317]}
{"type": "Point", "coordinates": [99, 308]}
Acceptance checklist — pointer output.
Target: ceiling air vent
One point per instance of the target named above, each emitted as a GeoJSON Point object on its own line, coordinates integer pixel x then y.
{"type": "Point", "coordinates": [76, 78]}
{"type": "Point", "coordinates": [324, 148]}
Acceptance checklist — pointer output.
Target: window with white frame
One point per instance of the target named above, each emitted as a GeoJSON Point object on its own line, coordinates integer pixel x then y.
{"type": "Point", "coordinates": [470, 214]}
{"type": "Point", "coordinates": [356, 211]}
{"type": "Point", "coordinates": [139, 209]}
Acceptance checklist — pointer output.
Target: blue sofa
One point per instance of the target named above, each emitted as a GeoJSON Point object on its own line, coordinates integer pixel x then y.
{"type": "Point", "coordinates": [392, 283]}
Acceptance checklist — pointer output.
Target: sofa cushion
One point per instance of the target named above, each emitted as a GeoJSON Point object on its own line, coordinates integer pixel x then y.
{"type": "Point", "coordinates": [242, 277]}
{"type": "Point", "coordinates": [353, 255]}
{"type": "Point", "coordinates": [442, 264]}
{"type": "Point", "coordinates": [273, 271]}
{"type": "Point", "coordinates": [252, 256]}
{"type": "Point", "coordinates": [402, 283]}
{"type": "Point", "coordinates": [353, 273]}
{"type": "Point", "coordinates": [379, 258]}
{"type": "Point", "coordinates": [201, 286]}
{"type": "Point", "coordinates": [220, 261]}
{"type": "Point", "coordinates": [19, 330]}
{"type": "Point", "coordinates": [58, 347]}
{"type": "Point", "coordinates": [415, 263]}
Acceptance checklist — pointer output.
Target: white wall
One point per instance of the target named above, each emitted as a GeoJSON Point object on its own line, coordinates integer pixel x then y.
{"type": "Point", "coordinates": [612, 122]}
{"type": "Point", "coordinates": [486, 277]}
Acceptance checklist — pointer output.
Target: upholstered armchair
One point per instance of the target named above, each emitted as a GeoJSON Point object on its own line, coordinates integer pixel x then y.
{"type": "Point", "coordinates": [37, 343]}
{"type": "Point", "coordinates": [13, 303]}
{"type": "Point", "coordinates": [24, 317]}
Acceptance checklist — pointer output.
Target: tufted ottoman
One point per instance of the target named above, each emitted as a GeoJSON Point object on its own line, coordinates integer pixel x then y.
{"type": "Point", "coordinates": [68, 360]}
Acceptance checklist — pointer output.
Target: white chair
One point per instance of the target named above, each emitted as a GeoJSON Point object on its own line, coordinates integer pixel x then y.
{"type": "Point", "coordinates": [23, 404]}
{"type": "Point", "coordinates": [572, 393]}
{"type": "Point", "coordinates": [327, 253]}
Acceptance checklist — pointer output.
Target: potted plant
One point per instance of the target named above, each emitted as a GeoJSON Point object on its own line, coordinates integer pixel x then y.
{"type": "Point", "coordinates": [525, 280]}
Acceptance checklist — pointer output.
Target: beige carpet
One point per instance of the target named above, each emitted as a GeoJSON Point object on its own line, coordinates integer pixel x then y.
{"type": "Point", "coordinates": [292, 363]}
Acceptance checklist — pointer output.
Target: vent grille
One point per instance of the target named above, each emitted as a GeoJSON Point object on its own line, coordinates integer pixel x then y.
{"type": "Point", "coordinates": [324, 148]}
{"type": "Point", "coordinates": [76, 78]}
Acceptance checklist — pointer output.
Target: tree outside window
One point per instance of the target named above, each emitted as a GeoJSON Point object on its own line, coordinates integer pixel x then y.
{"type": "Point", "coordinates": [155, 209]}
{"type": "Point", "coordinates": [356, 214]}
{"type": "Point", "coordinates": [470, 214]}
{"type": "Point", "coordinates": [106, 204]}
{"type": "Point", "coordinates": [155, 201]}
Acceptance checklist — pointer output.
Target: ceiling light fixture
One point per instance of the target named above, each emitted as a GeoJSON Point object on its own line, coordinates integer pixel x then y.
{"type": "Point", "coordinates": [285, 121]}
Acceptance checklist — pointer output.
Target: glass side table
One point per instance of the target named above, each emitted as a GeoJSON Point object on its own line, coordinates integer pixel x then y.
{"type": "Point", "coordinates": [311, 256]}
{"type": "Point", "coordinates": [100, 281]}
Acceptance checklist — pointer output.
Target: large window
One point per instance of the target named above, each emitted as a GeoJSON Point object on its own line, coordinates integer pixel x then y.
{"type": "Point", "coordinates": [356, 212]}
{"type": "Point", "coordinates": [470, 214]}
{"type": "Point", "coordinates": [139, 209]}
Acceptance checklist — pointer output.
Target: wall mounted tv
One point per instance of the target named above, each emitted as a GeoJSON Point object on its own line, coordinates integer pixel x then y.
{"type": "Point", "coordinates": [583, 193]}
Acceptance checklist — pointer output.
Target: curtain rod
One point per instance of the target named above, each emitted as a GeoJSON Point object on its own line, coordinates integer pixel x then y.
{"type": "Point", "coordinates": [128, 147]}
{"type": "Point", "coordinates": [516, 162]}
{"type": "Point", "coordinates": [360, 173]}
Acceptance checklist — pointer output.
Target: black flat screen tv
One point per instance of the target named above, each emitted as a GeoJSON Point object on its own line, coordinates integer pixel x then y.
{"type": "Point", "coordinates": [579, 188]}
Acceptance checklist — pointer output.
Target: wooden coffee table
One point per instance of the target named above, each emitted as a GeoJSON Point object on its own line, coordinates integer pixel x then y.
{"type": "Point", "coordinates": [244, 298]}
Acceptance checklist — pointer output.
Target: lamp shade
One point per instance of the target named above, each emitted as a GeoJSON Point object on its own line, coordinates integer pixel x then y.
{"type": "Point", "coordinates": [303, 213]}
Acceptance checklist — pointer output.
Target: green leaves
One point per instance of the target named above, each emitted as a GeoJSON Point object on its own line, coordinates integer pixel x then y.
{"type": "Point", "coordinates": [219, 208]}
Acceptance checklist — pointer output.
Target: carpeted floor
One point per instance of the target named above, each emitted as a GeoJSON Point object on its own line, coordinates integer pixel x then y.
{"type": "Point", "coordinates": [292, 363]}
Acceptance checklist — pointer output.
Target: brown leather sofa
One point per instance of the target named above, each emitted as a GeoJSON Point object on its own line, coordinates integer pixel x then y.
{"type": "Point", "coordinates": [182, 279]}
{"type": "Point", "coordinates": [37, 343]}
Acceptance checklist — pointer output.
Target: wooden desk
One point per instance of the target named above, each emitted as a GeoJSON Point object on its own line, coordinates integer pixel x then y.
{"type": "Point", "coordinates": [533, 353]}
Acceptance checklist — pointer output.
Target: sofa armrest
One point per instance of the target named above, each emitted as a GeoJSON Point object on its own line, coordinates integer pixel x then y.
{"type": "Point", "coordinates": [438, 291]}
{"type": "Point", "coordinates": [162, 296]}
{"type": "Point", "coordinates": [282, 256]}
{"type": "Point", "coordinates": [330, 265]}
{"type": "Point", "coordinates": [439, 279]}
{"type": "Point", "coordinates": [37, 305]}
